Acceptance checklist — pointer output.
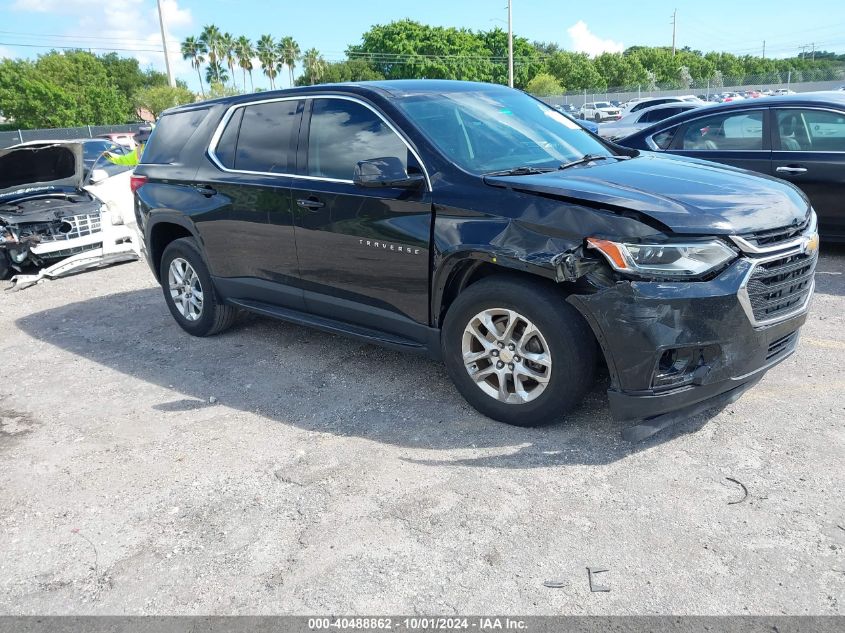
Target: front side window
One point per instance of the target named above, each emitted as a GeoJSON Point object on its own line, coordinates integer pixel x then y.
{"type": "Point", "coordinates": [343, 133]}
{"type": "Point", "coordinates": [811, 130]}
{"type": "Point", "coordinates": [734, 131]}
{"type": "Point", "coordinates": [487, 131]}
{"type": "Point", "coordinates": [267, 138]}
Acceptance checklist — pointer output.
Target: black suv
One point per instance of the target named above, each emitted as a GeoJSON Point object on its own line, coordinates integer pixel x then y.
{"type": "Point", "coordinates": [476, 224]}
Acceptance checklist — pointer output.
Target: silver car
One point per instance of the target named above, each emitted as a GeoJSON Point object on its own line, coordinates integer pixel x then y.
{"type": "Point", "coordinates": [640, 119]}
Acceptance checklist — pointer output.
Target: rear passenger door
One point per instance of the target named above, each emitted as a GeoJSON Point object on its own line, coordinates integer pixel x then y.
{"type": "Point", "coordinates": [737, 138]}
{"type": "Point", "coordinates": [363, 252]}
{"type": "Point", "coordinates": [809, 152]}
{"type": "Point", "coordinates": [248, 230]}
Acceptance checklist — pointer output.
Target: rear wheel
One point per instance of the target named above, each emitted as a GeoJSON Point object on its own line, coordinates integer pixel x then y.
{"type": "Point", "coordinates": [517, 351]}
{"type": "Point", "coordinates": [189, 292]}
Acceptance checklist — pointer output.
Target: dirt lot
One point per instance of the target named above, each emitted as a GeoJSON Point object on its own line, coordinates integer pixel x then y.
{"type": "Point", "coordinates": [275, 469]}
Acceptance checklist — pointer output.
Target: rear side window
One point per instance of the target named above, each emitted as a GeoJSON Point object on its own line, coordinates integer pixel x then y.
{"type": "Point", "coordinates": [343, 133]}
{"type": "Point", "coordinates": [227, 145]}
{"type": "Point", "coordinates": [267, 138]}
{"type": "Point", "coordinates": [170, 135]}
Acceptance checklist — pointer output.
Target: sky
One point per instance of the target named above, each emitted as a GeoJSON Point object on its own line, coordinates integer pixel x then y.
{"type": "Point", "coordinates": [30, 27]}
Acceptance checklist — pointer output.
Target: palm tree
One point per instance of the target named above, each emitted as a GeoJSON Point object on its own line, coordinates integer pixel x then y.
{"type": "Point", "coordinates": [244, 52]}
{"type": "Point", "coordinates": [216, 73]}
{"type": "Point", "coordinates": [210, 37]}
{"type": "Point", "coordinates": [266, 49]}
{"type": "Point", "coordinates": [290, 54]}
{"type": "Point", "coordinates": [194, 50]}
{"type": "Point", "coordinates": [227, 54]}
{"type": "Point", "coordinates": [314, 63]}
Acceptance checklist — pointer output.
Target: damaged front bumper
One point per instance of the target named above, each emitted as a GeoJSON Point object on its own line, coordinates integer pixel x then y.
{"type": "Point", "coordinates": [675, 349]}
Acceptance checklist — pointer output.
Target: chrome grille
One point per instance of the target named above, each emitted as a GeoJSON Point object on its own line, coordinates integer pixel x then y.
{"type": "Point", "coordinates": [780, 286]}
{"type": "Point", "coordinates": [80, 226]}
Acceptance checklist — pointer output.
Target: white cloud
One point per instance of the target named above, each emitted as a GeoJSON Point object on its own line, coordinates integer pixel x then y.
{"type": "Point", "coordinates": [6, 53]}
{"type": "Point", "coordinates": [583, 40]}
{"type": "Point", "coordinates": [126, 24]}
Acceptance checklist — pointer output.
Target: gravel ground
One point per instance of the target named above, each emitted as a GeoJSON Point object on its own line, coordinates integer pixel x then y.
{"type": "Point", "coordinates": [276, 469]}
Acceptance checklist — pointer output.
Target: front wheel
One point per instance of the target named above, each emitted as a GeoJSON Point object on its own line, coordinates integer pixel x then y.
{"type": "Point", "coordinates": [598, 118]}
{"type": "Point", "coordinates": [517, 351]}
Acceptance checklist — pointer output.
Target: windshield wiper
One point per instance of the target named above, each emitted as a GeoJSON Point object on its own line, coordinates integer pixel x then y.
{"type": "Point", "coordinates": [588, 158]}
{"type": "Point", "coordinates": [525, 170]}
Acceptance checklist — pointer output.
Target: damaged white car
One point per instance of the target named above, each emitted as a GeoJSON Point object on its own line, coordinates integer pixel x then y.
{"type": "Point", "coordinates": [54, 221]}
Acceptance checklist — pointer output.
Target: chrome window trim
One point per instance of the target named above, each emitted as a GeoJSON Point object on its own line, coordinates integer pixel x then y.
{"type": "Point", "coordinates": [215, 138]}
{"type": "Point", "coordinates": [745, 300]}
{"type": "Point", "coordinates": [748, 247]}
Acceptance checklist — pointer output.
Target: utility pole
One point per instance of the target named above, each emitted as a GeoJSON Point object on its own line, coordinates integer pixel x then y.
{"type": "Point", "coordinates": [674, 24]}
{"type": "Point", "coordinates": [814, 51]}
{"type": "Point", "coordinates": [170, 77]}
{"type": "Point", "coordinates": [510, 45]}
{"type": "Point", "coordinates": [764, 49]}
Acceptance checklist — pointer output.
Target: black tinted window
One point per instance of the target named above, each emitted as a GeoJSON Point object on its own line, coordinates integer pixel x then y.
{"type": "Point", "coordinates": [170, 135]}
{"type": "Point", "coordinates": [344, 133]}
{"type": "Point", "coordinates": [660, 114]}
{"type": "Point", "coordinates": [267, 139]}
{"type": "Point", "coordinates": [226, 146]}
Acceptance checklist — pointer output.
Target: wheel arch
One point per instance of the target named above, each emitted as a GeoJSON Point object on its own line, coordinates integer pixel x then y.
{"type": "Point", "coordinates": [164, 230]}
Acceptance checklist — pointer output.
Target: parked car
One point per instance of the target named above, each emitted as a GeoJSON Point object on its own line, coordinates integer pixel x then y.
{"type": "Point", "coordinates": [641, 119]}
{"type": "Point", "coordinates": [584, 123]}
{"type": "Point", "coordinates": [599, 111]}
{"type": "Point", "coordinates": [476, 224]}
{"type": "Point", "coordinates": [92, 149]}
{"type": "Point", "coordinates": [125, 139]}
{"type": "Point", "coordinates": [635, 105]}
{"type": "Point", "coordinates": [566, 108]}
{"type": "Point", "coordinates": [55, 221]}
{"type": "Point", "coordinates": [799, 138]}
{"type": "Point", "coordinates": [783, 91]}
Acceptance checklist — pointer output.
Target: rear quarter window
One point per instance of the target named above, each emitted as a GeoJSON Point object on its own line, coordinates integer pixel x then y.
{"type": "Point", "coordinates": [171, 134]}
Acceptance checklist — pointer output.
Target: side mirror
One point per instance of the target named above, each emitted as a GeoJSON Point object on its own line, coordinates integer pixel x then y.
{"type": "Point", "coordinates": [98, 175]}
{"type": "Point", "coordinates": [385, 172]}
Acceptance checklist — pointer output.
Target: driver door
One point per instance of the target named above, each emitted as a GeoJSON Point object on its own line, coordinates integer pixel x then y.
{"type": "Point", "coordinates": [363, 252]}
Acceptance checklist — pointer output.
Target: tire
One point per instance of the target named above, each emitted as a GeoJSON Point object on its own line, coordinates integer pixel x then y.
{"type": "Point", "coordinates": [598, 118]}
{"type": "Point", "coordinates": [5, 266]}
{"type": "Point", "coordinates": [563, 331]}
{"type": "Point", "coordinates": [213, 316]}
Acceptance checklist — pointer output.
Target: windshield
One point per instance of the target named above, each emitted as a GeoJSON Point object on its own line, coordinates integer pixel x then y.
{"type": "Point", "coordinates": [489, 131]}
{"type": "Point", "coordinates": [91, 150]}
{"type": "Point", "coordinates": [602, 104]}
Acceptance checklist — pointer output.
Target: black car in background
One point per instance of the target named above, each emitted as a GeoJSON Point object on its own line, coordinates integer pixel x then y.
{"type": "Point", "coordinates": [476, 224]}
{"type": "Point", "coordinates": [799, 138]}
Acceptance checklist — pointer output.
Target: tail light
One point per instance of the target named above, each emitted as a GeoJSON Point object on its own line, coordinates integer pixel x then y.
{"type": "Point", "coordinates": [136, 182]}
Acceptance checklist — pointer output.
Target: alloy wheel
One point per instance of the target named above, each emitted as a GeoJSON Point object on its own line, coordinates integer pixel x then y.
{"type": "Point", "coordinates": [506, 355]}
{"type": "Point", "coordinates": [185, 289]}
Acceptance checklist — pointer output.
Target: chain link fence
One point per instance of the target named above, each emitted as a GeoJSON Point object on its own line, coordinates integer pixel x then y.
{"type": "Point", "coordinates": [813, 80]}
{"type": "Point", "coordinates": [13, 137]}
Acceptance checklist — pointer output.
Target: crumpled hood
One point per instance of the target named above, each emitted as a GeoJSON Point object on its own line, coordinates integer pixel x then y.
{"type": "Point", "coordinates": [28, 171]}
{"type": "Point", "coordinates": [688, 196]}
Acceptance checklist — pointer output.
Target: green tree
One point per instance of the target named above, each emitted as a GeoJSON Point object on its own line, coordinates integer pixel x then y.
{"type": "Point", "coordinates": [266, 49]}
{"type": "Point", "coordinates": [576, 71]}
{"type": "Point", "coordinates": [290, 53]}
{"type": "Point", "coordinates": [527, 61]}
{"type": "Point", "coordinates": [338, 72]}
{"type": "Point", "coordinates": [60, 90]}
{"type": "Point", "coordinates": [227, 54]}
{"type": "Point", "coordinates": [409, 49]}
{"type": "Point", "coordinates": [215, 73]}
{"type": "Point", "coordinates": [314, 65]}
{"type": "Point", "coordinates": [194, 50]}
{"type": "Point", "coordinates": [211, 37]}
{"type": "Point", "coordinates": [544, 85]}
{"type": "Point", "coordinates": [157, 99]}
{"type": "Point", "coordinates": [244, 53]}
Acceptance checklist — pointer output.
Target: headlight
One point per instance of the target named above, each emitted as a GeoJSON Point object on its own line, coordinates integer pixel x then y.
{"type": "Point", "coordinates": [691, 259]}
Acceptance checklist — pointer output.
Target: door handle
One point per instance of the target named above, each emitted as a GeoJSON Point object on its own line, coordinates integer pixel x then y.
{"type": "Point", "coordinates": [206, 191]}
{"type": "Point", "coordinates": [791, 170]}
{"type": "Point", "coordinates": [310, 203]}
